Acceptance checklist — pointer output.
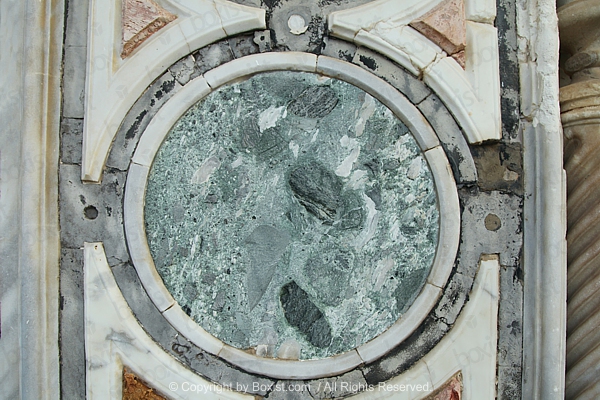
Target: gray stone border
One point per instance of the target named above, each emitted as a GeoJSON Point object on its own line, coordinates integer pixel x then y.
{"type": "Point", "coordinates": [197, 89]}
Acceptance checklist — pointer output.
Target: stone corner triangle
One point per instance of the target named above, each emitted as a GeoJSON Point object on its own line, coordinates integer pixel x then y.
{"type": "Point", "coordinates": [141, 19]}
{"type": "Point", "coordinates": [445, 25]}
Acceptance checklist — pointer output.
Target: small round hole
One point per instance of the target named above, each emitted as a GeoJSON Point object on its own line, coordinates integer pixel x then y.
{"type": "Point", "coordinates": [90, 212]}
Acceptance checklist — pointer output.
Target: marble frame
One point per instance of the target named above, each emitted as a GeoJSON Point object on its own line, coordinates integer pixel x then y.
{"type": "Point", "coordinates": [197, 89]}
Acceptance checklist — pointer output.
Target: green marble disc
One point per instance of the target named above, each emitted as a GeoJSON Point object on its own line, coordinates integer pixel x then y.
{"type": "Point", "coordinates": [292, 214]}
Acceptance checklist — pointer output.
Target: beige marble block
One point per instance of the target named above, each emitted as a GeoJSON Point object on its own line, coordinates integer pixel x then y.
{"type": "Point", "coordinates": [445, 26]}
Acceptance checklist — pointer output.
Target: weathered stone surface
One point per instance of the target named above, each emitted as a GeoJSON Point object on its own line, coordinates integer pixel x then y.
{"type": "Point", "coordinates": [71, 138]}
{"type": "Point", "coordinates": [302, 313]}
{"type": "Point", "coordinates": [140, 20]}
{"type": "Point", "coordinates": [509, 70]}
{"type": "Point", "coordinates": [408, 353]}
{"type": "Point", "coordinates": [289, 390]}
{"type": "Point", "coordinates": [77, 23]}
{"type": "Point", "coordinates": [71, 324]}
{"type": "Point", "coordinates": [138, 118]}
{"type": "Point", "coordinates": [454, 297]}
{"type": "Point", "coordinates": [145, 311]}
{"type": "Point", "coordinates": [509, 383]}
{"type": "Point", "coordinates": [499, 167]}
{"type": "Point", "coordinates": [340, 49]}
{"type": "Point", "coordinates": [211, 56]}
{"type": "Point", "coordinates": [460, 58]}
{"type": "Point", "coordinates": [77, 226]}
{"type": "Point", "coordinates": [338, 387]}
{"type": "Point", "coordinates": [216, 370]}
{"type": "Point", "coordinates": [404, 81]}
{"type": "Point", "coordinates": [449, 390]}
{"type": "Point", "coordinates": [314, 102]}
{"type": "Point", "coordinates": [74, 82]}
{"type": "Point", "coordinates": [445, 25]}
{"type": "Point", "coordinates": [510, 314]}
{"type": "Point", "coordinates": [183, 70]}
{"type": "Point", "coordinates": [263, 40]}
{"type": "Point", "coordinates": [135, 388]}
{"type": "Point", "coordinates": [477, 239]}
{"type": "Point", "coordinates": [452, 139]}
{"type": "Point", "coordinates": [243, 45]}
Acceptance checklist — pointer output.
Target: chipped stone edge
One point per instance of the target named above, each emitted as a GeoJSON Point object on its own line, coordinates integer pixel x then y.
{"type": "Point", "coordinates": [413, 62]}
{"type": "Point", "coordinates": [151, 141]}
{"type": "Point", "coordinates": [384, 92]}
{"type": "Point", "coordinates": [113, 85]}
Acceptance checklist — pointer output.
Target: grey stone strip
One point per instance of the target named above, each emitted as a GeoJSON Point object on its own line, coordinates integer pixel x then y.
{"type": "Point", "coordinates": [71, 342]}
{"type": "Point", "coordinates": [510, 333]}
{"type": "Point", "coordinates": [509, 70]}
{"type": "Point", "coordinates": [72, 361]}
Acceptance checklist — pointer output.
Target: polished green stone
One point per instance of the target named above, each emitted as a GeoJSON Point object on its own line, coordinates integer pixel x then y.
{"type": "Point", "coordinates": [291, 206]}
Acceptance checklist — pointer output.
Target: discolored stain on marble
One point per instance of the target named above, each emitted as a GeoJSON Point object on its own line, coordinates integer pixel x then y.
{"type": "Point", "coordinates": [136, 389]}
{"type": "Point", "coordinates": [263, 206]}
{"type": "Point", "coordinates": [450, 390]}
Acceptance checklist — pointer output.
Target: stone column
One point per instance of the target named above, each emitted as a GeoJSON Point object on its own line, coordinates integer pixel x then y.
{"type": "Point", "coordinates": [579, 26]}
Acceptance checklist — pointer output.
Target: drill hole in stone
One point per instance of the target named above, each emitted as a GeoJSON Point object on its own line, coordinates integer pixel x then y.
{"type": "Point", "coordinates": [90, 212]}
{"type": "Point", "coordinates": [492, 222]}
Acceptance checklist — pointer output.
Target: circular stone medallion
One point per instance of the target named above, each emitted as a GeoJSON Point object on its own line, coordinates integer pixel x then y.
{"type": "Point", "coordinates": [292, 214]}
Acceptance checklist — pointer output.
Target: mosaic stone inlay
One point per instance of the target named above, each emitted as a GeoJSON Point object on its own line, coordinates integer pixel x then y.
{"type": "Point", "coordinates": [292, 214]}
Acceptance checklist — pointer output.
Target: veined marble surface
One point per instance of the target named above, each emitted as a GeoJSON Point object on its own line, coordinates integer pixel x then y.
{"type": "Point", "coordinates": [293, 214]}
